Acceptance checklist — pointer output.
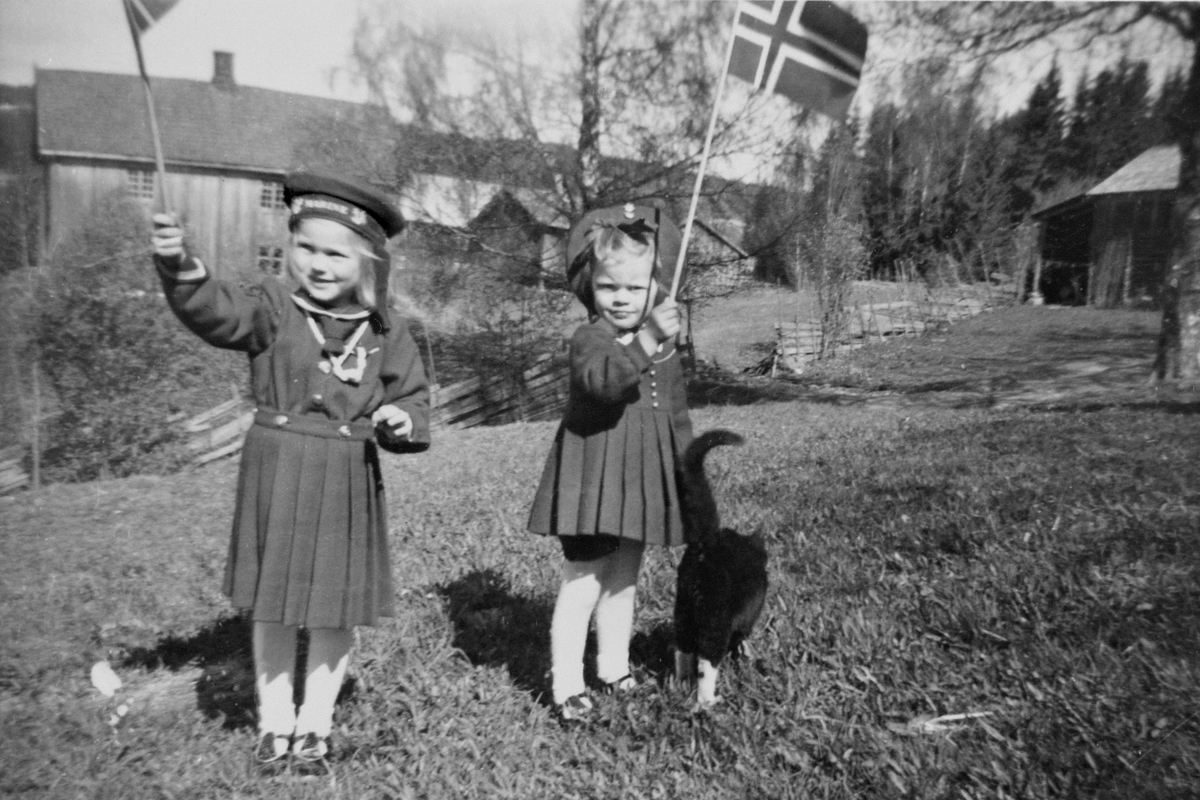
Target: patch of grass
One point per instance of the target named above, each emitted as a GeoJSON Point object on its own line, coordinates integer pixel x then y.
{"type": "Point", "coordinates": [738, 331]}
{"type": "Point", "coordinates": [1038, 570]}
{"type": "Point", "coordinates": [1035, 572]}
{"type": "Point", "coordinates": [1011, 343]}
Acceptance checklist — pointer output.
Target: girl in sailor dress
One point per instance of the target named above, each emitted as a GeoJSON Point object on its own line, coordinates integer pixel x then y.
{"type": "Point", "coordinates": [332, 378]}
{"type": "Point", "coordinates": [610, 483]}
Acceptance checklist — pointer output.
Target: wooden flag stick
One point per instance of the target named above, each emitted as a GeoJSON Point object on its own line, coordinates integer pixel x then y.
{"type": "Point", "coordinates": [712, 123]}
{"type": "Point", "coordinates": [161, 196]}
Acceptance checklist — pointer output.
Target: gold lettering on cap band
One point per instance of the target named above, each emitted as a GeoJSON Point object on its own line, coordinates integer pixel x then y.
{"type": "Point", "coordinates": [351, 212]}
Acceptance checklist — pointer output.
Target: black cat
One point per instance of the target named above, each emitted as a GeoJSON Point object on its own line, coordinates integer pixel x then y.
{"type": "Point", "coordinates": [722, 581]}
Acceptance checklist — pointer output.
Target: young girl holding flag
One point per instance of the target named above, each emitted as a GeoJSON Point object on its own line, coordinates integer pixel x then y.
{"type": "Point", "coordinates": [609, 487]}
{"type": "Point", "coordinates": [332, 377]}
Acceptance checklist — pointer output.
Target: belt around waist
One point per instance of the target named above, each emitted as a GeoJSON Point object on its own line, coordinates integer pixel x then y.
{"type": "Point", "coordinates": [357, 431]}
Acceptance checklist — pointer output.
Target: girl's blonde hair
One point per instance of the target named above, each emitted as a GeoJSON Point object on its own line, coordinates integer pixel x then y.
{"type": "Point", "coordinates": [608, 244]}
{"type": "Point", "coordinates": [368, 258]}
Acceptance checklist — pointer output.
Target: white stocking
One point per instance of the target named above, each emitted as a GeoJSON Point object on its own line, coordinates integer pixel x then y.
{"type": "Point", "coordinates": [328, 657]}
{"type": "Point", "coordinates": [614, 611]}
{"type": "Point", "coordinates": [274, 661]}
{"type": "Point", "coordinates": [568, 629]}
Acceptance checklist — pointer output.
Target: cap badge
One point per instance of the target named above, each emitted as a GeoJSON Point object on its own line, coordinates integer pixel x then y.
{"type": "Point", "coordinates": [628, 211]}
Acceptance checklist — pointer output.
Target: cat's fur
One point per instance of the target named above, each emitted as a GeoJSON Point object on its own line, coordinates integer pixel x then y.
{"type": "Point", "coordinates": [722, 581]}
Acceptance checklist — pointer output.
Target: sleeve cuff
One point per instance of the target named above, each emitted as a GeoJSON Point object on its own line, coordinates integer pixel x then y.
{"type": "Point", "coordinates": [187, 269]}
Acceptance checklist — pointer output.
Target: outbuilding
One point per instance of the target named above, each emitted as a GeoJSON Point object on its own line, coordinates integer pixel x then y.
{"type": "Point", "coordinates": [1111, 245]}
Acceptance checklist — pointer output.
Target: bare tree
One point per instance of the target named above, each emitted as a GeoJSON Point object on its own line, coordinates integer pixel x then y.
{"type": "Point", "coordinates": [618, 114]}
{"type": "Point", "coordinates": [988, 29]}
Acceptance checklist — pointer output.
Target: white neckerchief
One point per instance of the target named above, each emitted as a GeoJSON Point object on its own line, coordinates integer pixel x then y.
{"type": "Point", "coordinates": [336, 364]}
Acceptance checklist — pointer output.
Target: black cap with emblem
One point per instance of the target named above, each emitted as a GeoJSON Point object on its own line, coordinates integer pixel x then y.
{"type": "Point", "coordinates": [645, 222]}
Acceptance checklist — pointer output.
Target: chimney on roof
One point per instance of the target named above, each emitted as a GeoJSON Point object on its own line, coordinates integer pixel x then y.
{"type": "Point", "coordinates": [223, 71]}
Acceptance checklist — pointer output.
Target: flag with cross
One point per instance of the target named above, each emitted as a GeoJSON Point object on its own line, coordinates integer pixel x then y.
{"type": "Point", "coordinates": [810, 52]}
{"type": "Point", "coordinates": [141, 14]}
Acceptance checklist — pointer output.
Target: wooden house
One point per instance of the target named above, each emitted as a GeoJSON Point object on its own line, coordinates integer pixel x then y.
{"type": "Point", "coordinates": [1111, 245]}
{"type": "Point", "coordinates": [227, 148]}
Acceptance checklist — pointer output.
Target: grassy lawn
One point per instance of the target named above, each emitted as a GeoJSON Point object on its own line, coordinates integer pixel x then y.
{"type": "Point", "coordinates": [1018, 343]}
{"type": "Point", "coordinates": [1032, 574]}
{"type": "Point", "coordinates": [739, 330]}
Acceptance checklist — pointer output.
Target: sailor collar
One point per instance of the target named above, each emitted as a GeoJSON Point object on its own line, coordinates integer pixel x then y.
{"type": "Point", "coordinates": [307, 305]}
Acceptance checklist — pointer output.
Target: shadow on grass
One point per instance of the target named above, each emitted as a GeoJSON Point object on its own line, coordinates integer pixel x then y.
{"type": "Point", "coordinates": [222, 652]}
{"type": "Point", "coordinates": [654, 651]}
{"type": "Point", "coordinates": [714, 389]}
{"type": "Point", "coordinates": [493, 625]}
{"type": "Point", "coordinates": [225, 688]}
{"type": "Point", "coordinates": [1173, 407]}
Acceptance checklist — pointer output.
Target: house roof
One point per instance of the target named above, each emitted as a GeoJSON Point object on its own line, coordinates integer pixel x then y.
{"type": "Point", "coordinates": [101, 115]}
{"type": "Point", "coordinates": [1155, 170]}
{"type": "Point", "coordinates": [1075, 204]}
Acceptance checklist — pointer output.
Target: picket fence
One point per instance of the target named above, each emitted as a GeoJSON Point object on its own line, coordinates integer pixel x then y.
{"type": "Point", "coordinates": [540, 393]}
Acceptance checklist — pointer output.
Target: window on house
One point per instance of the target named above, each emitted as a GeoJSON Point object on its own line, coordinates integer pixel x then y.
{"type": "Point", "coordinates": [271, 196]}
{"type": "Point", "coordinates": [270, 259]}
{"type": "Point", "coordinates": [140, 184]}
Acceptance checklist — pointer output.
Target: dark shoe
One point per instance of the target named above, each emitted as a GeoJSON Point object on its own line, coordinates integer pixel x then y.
{"type": "Point", "coordinates": [576, 708]}
{"type": "Point", "coordinates": [268, 761]}
{"type": "Point", "coordinates": [310, 754]}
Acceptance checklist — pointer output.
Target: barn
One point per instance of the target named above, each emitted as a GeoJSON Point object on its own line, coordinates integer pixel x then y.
{"type": "Point", "coordinates": [1111, 245]}
{"type": "Point", "coordinates": [227, 148]}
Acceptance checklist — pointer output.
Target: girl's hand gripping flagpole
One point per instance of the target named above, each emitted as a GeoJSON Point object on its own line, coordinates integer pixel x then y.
{"type": "Point", "coordinates": [712, 122]}
{"type": "Point", "coordinates": [141, 14]}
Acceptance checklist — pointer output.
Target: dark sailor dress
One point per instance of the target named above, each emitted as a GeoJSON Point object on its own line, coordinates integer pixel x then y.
{"type": "Point", "coordinates": [309, 542]}
{"type": "Point", "coordinates": [613, 466]}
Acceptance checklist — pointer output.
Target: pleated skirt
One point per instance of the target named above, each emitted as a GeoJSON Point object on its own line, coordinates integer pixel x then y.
{"type": "Point", "coordinates": [620, 481]}
{"type": "Point", "coordinates": [309, 543]}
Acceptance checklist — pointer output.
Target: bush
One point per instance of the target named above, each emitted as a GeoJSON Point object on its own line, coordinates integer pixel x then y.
{"type": "Point", "coordinates": [117, 361]}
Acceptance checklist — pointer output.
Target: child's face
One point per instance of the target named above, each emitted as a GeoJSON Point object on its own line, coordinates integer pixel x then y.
{"type": "Point", "coordinates": [326, 261]}
{"type": "Point", "coordinates": [621, 288]}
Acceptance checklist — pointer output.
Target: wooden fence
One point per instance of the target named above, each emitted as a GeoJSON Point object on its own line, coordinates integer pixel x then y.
{"type": "Point", "coordinates": [219, 431]}
{"type": "Point", "coordinates": [12, 476]}
{"type": "Point", "coordinates": [540, 393]}
{"type": "Point", "coordinates": [799, 343]}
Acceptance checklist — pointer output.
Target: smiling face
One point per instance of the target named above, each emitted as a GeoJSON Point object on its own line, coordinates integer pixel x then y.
{"type": "Point", "coordinates": [326, 260]}
{"type": "Point", "coordinates": [621, 288]}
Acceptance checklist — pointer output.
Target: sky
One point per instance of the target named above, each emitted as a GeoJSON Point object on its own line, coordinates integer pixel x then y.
{"type": "Point", "coordinates": [290, 45]}
{"type": "Point", "coordinates": [304, 45]}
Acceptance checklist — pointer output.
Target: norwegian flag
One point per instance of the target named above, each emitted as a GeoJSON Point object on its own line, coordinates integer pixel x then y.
{"type": "Point", "coordinates": [809, 52]}
{"type": "Point", "coordinates": [144, 13]}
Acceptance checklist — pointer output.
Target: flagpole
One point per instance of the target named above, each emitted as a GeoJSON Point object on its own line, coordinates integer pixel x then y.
{"type": "Point", "coordinates": [164, 203]}
{"type": "Point", "coordinates": [712, 122]}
